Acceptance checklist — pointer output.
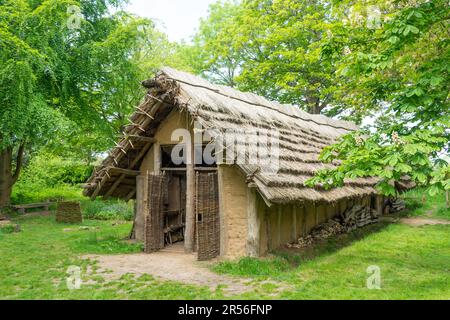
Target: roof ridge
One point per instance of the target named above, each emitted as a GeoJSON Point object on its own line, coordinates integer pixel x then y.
{"type": "Point", "coordinates": [167, 71]}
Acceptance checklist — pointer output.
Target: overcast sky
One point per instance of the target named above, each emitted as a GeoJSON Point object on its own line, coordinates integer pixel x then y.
{"type": "Point", "coordinates": [178, 18]}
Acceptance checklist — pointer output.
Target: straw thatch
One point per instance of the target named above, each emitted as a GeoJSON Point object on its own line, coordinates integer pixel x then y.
{"type": "Point", "coordinates": [302, 137]}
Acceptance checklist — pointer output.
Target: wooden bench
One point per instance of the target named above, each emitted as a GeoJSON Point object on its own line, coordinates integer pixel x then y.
{"type": "Point", "coordinates": [23, 208]}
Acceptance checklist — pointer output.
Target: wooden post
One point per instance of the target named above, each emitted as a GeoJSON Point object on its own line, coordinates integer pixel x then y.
{"type": "Point", "coordinates": [141, 206]}
{"type": "Point", "coordinates": [268, 230]}
{"type": "Point", "coordinates": [304, 213]}
{"type": "Point", "coordinates": [253, 224]}
{"type": "Point", "coordinates": [316, 212]}
{"type": "Point", "coordinates": [157, 158]}
{"type": "Point", "coordinates": [222, 215]}
{"type": "Point", "coordinates": [294, 223]}
{"type": "Point", "coordinates": [279, 225]}
{"type": "Point", "coordinates": [189, 236]}
{"type": "Point", "coordinates": [380, 205]}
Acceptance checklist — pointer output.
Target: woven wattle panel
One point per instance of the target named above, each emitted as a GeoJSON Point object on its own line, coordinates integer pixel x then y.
{"type": "Point", "coordinates": [154, 222]}
{"type": "Point", "coordinates": [208, 223]}
{"type": "Point", "coordinates": [69, 212]}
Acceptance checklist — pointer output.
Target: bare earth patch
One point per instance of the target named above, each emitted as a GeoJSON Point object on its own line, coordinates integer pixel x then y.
{"type": "Point", "coordinates": [172, 264]}
{"type": "Point", "coordinates": [418, 222]}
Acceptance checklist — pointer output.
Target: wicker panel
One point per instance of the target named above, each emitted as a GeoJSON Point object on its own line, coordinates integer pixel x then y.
{"type": "Point", "coordinates": [68, 212]}
{"type": "Point", "coordinates": [207, 210]}
{"type": "Point", "coordinates": [154, 222]}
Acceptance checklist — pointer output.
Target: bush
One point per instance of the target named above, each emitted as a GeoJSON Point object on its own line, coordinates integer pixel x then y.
{"type": "Point", "coordinates": [51, 171]}
{"type": "Point", "coordinates": [107, 210]}
{"type": "Point", "coordinates": [49, 177]}
{"type": "Point", "coordinates": [32, 193]}
{"type": "Point", "coordinates": [53, 178]}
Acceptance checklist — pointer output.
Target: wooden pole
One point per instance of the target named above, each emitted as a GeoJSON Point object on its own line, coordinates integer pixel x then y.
{"type": "Point", "coordinates": [253, 224]}
{"type": "Point", "coordinates": [279, 224]}
{"type": "Point", "coordinates": [294, 224]}
{"type": "Point", "coordinates": [190, 204]}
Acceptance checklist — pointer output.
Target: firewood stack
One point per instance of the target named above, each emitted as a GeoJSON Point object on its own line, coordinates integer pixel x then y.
{"type": "Point", "coordinates": [357, 217]}
{"type": "Point", "coordinates": [321, 232]}
{"type": "Point", "coordinates": [397, 205]}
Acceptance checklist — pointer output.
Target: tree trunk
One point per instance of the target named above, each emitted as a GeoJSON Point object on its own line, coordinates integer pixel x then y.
{"type": "Point", "coordinates": [314, 105]}
{"type": "Point", "coordinates": [6, 177]}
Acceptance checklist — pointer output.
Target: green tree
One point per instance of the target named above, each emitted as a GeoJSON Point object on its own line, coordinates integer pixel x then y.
{"type": "Point", "coordinates": [400, 67]}
{"type": "Point", "coordinates": [272, 48]}
{"type": "Point", "coordinates": [66, 66]}
{"type": "Point", "coordinates": [214, 54]}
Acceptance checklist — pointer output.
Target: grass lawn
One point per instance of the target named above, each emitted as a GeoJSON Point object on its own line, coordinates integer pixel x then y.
{"type": "Point", "coordinates": [414, 264]}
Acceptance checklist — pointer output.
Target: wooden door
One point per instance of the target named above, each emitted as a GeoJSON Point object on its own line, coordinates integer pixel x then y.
{"type": "Point", "coordinates": [154, 219]}
{"type": "Point", "coordinates": [207, 213]}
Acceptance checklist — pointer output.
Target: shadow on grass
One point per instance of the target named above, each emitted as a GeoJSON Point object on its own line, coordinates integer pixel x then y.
{"type": "Point", "coordinates": [286, 259]}
{"type": "Point", "coordinates": [295, 256]}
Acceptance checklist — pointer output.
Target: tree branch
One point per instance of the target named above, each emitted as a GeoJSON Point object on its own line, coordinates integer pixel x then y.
{"type": "Point", "coordinates": [19, 161]}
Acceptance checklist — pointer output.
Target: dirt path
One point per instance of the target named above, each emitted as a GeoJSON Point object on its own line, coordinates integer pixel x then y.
{"type": "Point", "coordinates": [173, 265]}
{"type": "Point", "coordinates": [418, 222]}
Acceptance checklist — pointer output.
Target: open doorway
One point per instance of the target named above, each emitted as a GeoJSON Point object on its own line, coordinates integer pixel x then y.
{"type": "Point", "coordinates": [174, 207]}
{"type": "Point", "coordinates": [167, 216]}
{"type": "Point", "coordinates": [174, 204]}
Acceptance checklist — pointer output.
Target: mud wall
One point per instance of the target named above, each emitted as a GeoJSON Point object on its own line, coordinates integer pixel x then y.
{"type": "Point", "coordinates": [281, 224]}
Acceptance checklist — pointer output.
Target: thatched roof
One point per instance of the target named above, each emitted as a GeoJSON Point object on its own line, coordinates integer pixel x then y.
{"type": "Point", "coordinates": [302, 137]}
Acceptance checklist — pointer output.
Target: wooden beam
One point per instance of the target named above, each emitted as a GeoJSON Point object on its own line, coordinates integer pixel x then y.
{"type": "Point", "coordinates": [114, 186]}
{"type": "Point", "coordinates": [174, 169]}
{"type": "Point", "coordinates": [201, 169]}
{"type": "Point", "coordinates": [135, 137]}
{"type": "Point", "coordinates": [120, 155]}
{"type": "Point", "coordinates": [88, 185]}
{"type": "Point", "coordinates": [132, 165]}
{"type": "Point", "coordinates": [141, 155]}
{"type": "Point", "coordinates": [99, 187]}
{"type": "Point", "coordinates": [130, 195]}
{"type": "Point", "coordinates": [127, 172]}
{"type": "Point", "coordinates": [207, 169]}
{"type": "Point", "coordinates": [145, 113]}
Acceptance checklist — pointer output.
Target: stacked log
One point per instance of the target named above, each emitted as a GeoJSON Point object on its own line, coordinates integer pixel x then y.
{"type": "Point", "coordinates": [319, 233]}
{"type": "Point", "coordinates": [69, 212]}
{"type": "Point", "coordinates": [356, 217]}
{"type": "Point", "coordinates": [397, 205]}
